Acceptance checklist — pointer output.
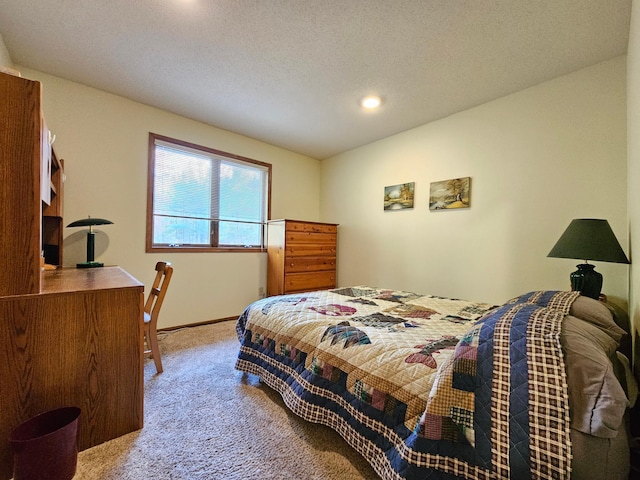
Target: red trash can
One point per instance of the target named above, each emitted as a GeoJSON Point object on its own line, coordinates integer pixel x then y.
{"type": "Point", "coordinates": [46, 446]}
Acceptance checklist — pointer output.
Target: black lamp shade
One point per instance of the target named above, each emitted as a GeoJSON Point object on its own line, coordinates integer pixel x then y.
{"type": "Point", "coordinates": [588, 239]}
{"type": "Point", "coordinates": [90, 222]}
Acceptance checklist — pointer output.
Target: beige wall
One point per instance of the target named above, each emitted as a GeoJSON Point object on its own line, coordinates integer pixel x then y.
{"type": "Point", "coordinates": [537, 159]}
{"type": "Point", "coordinates": [5, 58]}
{"type": "Point", "coordinates": [633, 140]}
{"type": "Point", "coordinates": [103, 140]}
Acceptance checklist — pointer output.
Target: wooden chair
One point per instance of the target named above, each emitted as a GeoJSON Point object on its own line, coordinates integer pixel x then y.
{"type": "Point", "coordinates": [152, 310]}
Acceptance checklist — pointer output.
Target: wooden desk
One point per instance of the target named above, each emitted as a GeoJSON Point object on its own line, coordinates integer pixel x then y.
{"type": "Point", "coordinates": [76, 343]}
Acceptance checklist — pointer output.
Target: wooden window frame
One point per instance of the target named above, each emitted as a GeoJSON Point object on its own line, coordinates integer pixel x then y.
{"type": "Point", "coordinates": [150, 247]}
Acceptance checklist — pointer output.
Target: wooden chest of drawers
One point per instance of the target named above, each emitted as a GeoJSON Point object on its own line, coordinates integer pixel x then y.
{"type": "Point", "coordinates": [301, 256]}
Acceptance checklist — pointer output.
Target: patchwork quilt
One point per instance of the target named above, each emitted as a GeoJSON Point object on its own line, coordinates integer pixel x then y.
{"type": "Point", "coordinates": [422, 386]}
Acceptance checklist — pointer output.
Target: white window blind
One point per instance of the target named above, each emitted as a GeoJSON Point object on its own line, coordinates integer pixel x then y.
{"type": "Point", "coordinates": [203, 198]}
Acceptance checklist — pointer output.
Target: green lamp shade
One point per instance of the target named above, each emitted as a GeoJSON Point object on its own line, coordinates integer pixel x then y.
{"type": "Point", "coordinates": [589, 239]}
{"type": "Point", "coordinates": [89, 222]}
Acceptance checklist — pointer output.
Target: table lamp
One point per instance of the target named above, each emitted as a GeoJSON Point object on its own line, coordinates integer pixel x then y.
{"type": "Point", "coordinates": [588, 239]}
{"type": "Point", "coordinates": [91, 237]}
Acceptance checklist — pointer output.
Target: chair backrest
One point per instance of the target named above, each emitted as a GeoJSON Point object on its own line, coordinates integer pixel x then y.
{"type": "Point", "coordinates": [164, 270]}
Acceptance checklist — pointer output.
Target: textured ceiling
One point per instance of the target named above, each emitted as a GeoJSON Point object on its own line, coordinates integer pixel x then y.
{"type": "Point", "coordinates": [291, 72]}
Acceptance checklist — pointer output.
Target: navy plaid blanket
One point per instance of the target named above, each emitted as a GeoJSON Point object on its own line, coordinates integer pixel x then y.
{"type": "Point", "coordinates": [423, 387]}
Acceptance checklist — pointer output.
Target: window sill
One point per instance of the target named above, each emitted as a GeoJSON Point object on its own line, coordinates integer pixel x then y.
{"type": "Point", "coordinates": [187, 249]}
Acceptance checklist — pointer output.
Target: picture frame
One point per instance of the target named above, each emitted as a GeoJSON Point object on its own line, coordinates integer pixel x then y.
{"type": "Point", "coordinates": [399, 197]}
{"type": "Point", "coordinates": [450, 194]}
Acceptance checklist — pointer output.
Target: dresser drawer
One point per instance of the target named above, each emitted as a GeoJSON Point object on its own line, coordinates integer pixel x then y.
{"type": "Point", "coordinates": [310, 237]}
{"type": "Point", "coordinates": [299, 282]}
{"type": "Point", "coordinates": [310, 250]}
{"type": "Point", "coordinates": [311, 227]}
{"type": "Point", "coordinates": [309, 264]}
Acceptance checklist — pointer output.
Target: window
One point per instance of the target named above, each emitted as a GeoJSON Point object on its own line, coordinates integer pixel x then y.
{"type": "Point", "coordinates": [202, 199]}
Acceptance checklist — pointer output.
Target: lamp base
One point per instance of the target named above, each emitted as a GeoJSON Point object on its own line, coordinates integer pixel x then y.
{"type": "Point", "coordinates": [587, 281]}
{"type": "Point", "coordinates": [89, 265]}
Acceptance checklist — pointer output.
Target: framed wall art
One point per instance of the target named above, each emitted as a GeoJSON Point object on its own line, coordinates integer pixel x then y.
{"type": "Point", "coordinates": [450, 194]}
{"type": "Point", "coordinates": [399, 197]}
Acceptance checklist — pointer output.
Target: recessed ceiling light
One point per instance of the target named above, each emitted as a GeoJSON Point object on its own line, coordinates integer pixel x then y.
{"type": "Point", "coordinates": [370, 102]}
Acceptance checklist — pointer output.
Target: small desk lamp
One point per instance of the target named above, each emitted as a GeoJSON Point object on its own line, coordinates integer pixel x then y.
{"type": "Point", "coordinates": [588, 239]}
{"type": "Point", "coordinates": [91, 238]}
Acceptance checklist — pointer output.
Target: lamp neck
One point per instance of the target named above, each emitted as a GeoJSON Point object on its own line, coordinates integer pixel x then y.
{"type": "Point", "coordinates": [586, 266]}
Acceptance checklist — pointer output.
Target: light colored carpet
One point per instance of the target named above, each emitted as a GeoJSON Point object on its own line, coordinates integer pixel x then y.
{"type": "Point", "coordinates": [205, 420]}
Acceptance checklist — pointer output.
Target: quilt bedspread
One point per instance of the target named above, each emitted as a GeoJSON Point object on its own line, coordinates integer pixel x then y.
{"type": "Point", "coordinates": [422, 386]}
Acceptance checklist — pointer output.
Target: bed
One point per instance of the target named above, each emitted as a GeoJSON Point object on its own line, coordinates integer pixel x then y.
{"type": "Point", "coordinates": [430, 387]}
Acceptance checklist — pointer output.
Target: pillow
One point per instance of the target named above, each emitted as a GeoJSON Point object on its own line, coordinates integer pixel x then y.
{"type": "Point", "coordinates": [598, 314]}
{"type": "Point", "coordinates": [597, 401]}
{"type": "Point", "coordinates": [630, 383]}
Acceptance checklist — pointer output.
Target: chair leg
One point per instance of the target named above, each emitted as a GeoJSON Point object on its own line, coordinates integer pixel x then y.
{"type": "Point", "coordinates": [152, 340]}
